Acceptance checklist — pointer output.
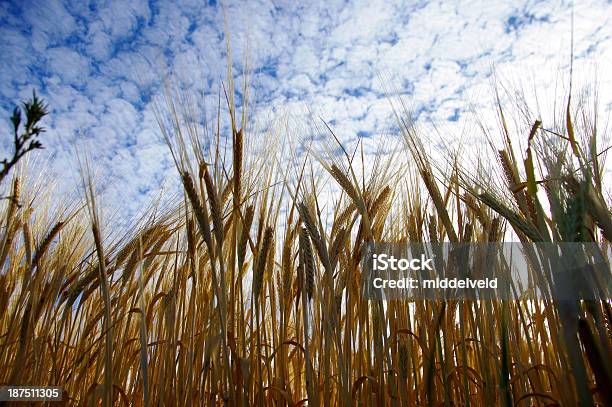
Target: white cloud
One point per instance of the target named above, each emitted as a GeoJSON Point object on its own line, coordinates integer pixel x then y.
{"type": "Point", "coordinates": [71, 66]}
{"type": "Point", "coordinates": [101, 65]}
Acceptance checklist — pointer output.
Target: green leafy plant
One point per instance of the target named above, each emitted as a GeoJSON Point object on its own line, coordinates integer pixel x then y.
{"type": "Point", "coordinates": [26, 139]}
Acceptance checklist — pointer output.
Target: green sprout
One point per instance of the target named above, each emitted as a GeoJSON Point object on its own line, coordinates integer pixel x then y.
{"type": "Point", "coordinates": [26, 139]}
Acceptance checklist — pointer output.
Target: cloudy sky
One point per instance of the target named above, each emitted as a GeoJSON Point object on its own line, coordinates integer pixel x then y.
{"type": "Point", "coordinates": [100, 66]}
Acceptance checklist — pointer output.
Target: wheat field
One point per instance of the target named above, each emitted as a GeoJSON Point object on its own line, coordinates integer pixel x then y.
{"type": "Point", "coordinates": [247, 291]}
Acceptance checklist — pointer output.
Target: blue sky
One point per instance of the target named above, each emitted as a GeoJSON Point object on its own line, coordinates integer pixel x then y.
{"type": "Point", "coordinates": [101, 64]}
